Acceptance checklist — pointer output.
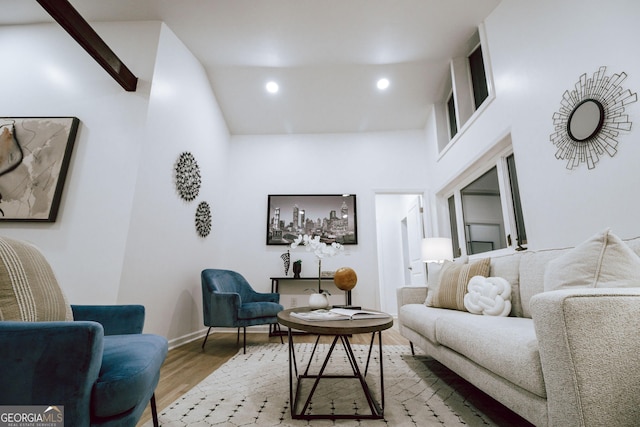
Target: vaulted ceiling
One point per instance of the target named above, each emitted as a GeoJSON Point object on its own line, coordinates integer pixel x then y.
{"type": "Point", "coordinates": [325, 55]}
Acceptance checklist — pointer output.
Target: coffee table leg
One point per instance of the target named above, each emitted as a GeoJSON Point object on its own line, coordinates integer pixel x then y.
{"type": "Point", "coordinates": [292, 364]}
{"type": "Point", "coordinates": [366, 369]}
{"type": "Point", "coordinates": [373, 336]}
{"type": "Point", "coordinates": [377, 409]}
{"type": "Point", "coordinates": [315, 346]}
{"type": "Point", "coordinates": [381, 372]}
{"type": "Point", "coordinates": [319, 376]}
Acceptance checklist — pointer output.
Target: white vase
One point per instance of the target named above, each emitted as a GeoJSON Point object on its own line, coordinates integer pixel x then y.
{"type": "Point", "coordinates": [318, 301]}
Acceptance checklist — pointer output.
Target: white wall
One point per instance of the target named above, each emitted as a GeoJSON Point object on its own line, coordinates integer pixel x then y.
{"type": "Point", "coordinates": [123, 235]}
{"type": "Point", "coordinates": [537, 51]}
{"type": "Point", "coordinates": [356, 163]}
{"type": "Point", "coordinates": [164, 255]}
{"type": "Point", "coordinates": [45, 74]}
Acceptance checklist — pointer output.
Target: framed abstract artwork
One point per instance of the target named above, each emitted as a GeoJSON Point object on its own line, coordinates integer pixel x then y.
{"type": "Point", "coordinates": [34, 157]}
{"type": "Point", "coordinates": [331, 216]}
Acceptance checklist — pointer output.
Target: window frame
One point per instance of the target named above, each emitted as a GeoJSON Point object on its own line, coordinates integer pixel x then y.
{"type": "Point", "coordinates": [499, 161]}
{"type": "Point", "coordinates": [458, 82]}
{"type": "Point", "coordinates": [470, 73]}
{"type": "Point", "coordinates": [452, 120]}
{"type": "Point", "coordinates": [467, 194]}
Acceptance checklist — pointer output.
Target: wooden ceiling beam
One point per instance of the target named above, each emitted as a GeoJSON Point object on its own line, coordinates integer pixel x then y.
{"type": "Point", "coordinates": [69, 18]}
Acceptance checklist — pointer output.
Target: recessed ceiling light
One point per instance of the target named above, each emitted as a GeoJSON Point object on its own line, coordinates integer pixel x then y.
{"type": "Point", "coordinates": [272, 87]}
{"type": "Point", "coordinates": [383, 84]}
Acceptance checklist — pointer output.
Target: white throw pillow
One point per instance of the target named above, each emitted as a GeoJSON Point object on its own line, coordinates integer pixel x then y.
{"type": "Point", "coordinates": [490, 296]}
{"type": "Point", "coordinates": [603, 261]}
{"type": "Point", "coordinates": [433, 281]}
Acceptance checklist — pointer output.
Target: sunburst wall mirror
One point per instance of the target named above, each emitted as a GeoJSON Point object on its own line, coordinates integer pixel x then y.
{"type": "Point", "coordinates": [590, 119]}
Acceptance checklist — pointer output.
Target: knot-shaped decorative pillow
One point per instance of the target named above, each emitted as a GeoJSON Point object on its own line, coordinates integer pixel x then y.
{"type": "Point", "coordinates": [488, 295]}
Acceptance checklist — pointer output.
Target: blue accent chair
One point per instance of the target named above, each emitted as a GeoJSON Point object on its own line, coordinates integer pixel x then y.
{"type": "Point", "coordinates": [229, 301]}
{"type": "Point", "coordinates": [94, 360]}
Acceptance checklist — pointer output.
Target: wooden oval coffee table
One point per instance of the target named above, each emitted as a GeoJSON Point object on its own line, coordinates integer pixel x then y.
{"type": "Point", "coordinates": [341, 330]}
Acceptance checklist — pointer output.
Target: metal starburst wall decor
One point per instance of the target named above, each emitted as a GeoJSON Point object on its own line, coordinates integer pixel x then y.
{"type": "Point", "coordinates": [203, 219]}
{"type": "Point", "coordinates": [590, 119]}
{"type": "Point", "coordinates": [187, 176]}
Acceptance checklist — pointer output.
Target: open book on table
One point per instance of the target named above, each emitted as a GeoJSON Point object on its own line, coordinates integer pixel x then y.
{"type": "Point", "coordinates": [338, 314]}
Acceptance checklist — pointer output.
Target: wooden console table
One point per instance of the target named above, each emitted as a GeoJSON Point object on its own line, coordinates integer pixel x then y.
{"type": "Point", "coordinates": [275, 284]}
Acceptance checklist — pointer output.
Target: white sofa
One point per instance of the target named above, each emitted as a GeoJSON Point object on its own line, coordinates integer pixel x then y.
{"type": "Point", "coordinates": [568, 357]}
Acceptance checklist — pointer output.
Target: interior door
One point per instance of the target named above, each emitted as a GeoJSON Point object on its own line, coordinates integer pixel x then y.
{"type": "Point", "coordinates": [415, 233]}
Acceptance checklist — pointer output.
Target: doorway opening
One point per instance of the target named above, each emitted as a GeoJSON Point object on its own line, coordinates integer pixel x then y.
{"type": "Point", "coordinates": [399, 231]}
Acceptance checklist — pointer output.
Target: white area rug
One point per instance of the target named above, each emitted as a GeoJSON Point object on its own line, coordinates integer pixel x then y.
{"type": "Point", "coordinates": [253, 389]}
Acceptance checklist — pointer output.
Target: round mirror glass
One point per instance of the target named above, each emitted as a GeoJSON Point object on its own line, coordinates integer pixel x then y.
{"type": "Point", "coordinates": [585, 120]}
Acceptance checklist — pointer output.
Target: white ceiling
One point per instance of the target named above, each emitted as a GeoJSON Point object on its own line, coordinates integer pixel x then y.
{"type": "Point", "coordinates": [326, 55]}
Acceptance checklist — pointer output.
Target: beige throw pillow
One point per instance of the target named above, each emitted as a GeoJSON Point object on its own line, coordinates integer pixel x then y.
{"type": "Point", "coordinates": [29, 291]}
{"type": "Point", "coordinates": [452, 284]}
{"type": "Point", "coordinates": [433, 275]}
{"type": "Point", "coordinates": [603, 261]}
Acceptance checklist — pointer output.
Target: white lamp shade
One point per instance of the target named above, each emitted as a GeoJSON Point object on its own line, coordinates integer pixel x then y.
{"type": "Point", "coordinates": [437, 249]}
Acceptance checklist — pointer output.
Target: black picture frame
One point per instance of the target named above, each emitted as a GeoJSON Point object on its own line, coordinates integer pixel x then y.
{"type": "Point", "coordinates": [333, 217]}
{"type": "Point", "coordinates": [31, 189]}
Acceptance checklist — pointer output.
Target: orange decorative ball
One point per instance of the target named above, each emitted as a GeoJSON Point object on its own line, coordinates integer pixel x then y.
{"type": "Point", "coordinates": [345, 278]}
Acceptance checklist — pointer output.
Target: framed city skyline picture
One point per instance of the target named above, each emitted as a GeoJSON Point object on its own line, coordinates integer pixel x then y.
{"type": "Point", "coordinates": [331, 216]}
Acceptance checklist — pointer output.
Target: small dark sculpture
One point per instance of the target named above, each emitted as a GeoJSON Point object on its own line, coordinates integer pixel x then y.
{"type": "Point", "coordinates": [297, 268]}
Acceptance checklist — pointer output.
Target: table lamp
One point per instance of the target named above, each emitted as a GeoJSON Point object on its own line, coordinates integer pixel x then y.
{"type": "Point", "coordinates": [437, 249]}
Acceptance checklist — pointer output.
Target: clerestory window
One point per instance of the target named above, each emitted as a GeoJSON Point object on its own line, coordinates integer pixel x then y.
{"type": "Point", "coordinates": [478, 76]}
{"type": "Point", "coordinates": [451, 116]}
{"type": "Point", "coordinates": [467, 90]}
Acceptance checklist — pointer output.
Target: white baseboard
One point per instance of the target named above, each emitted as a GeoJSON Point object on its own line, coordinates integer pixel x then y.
{"type": "Point", "coordinates": [177, 342]}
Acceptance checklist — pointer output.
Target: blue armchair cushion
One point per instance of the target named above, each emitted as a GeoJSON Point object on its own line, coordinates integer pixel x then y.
{"type": "Point", "coordinates": [129, 373]}
{"type": "Point", "coordinates": [115, 319]}
{"type": "Point", "coordinates": [253, 310]}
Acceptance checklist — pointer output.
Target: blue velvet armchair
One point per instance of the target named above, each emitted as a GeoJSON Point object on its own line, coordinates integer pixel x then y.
{"type": "Point", "coordinates": [229, 301]}
{"type": "Point", "coordinates": [92, 360]}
